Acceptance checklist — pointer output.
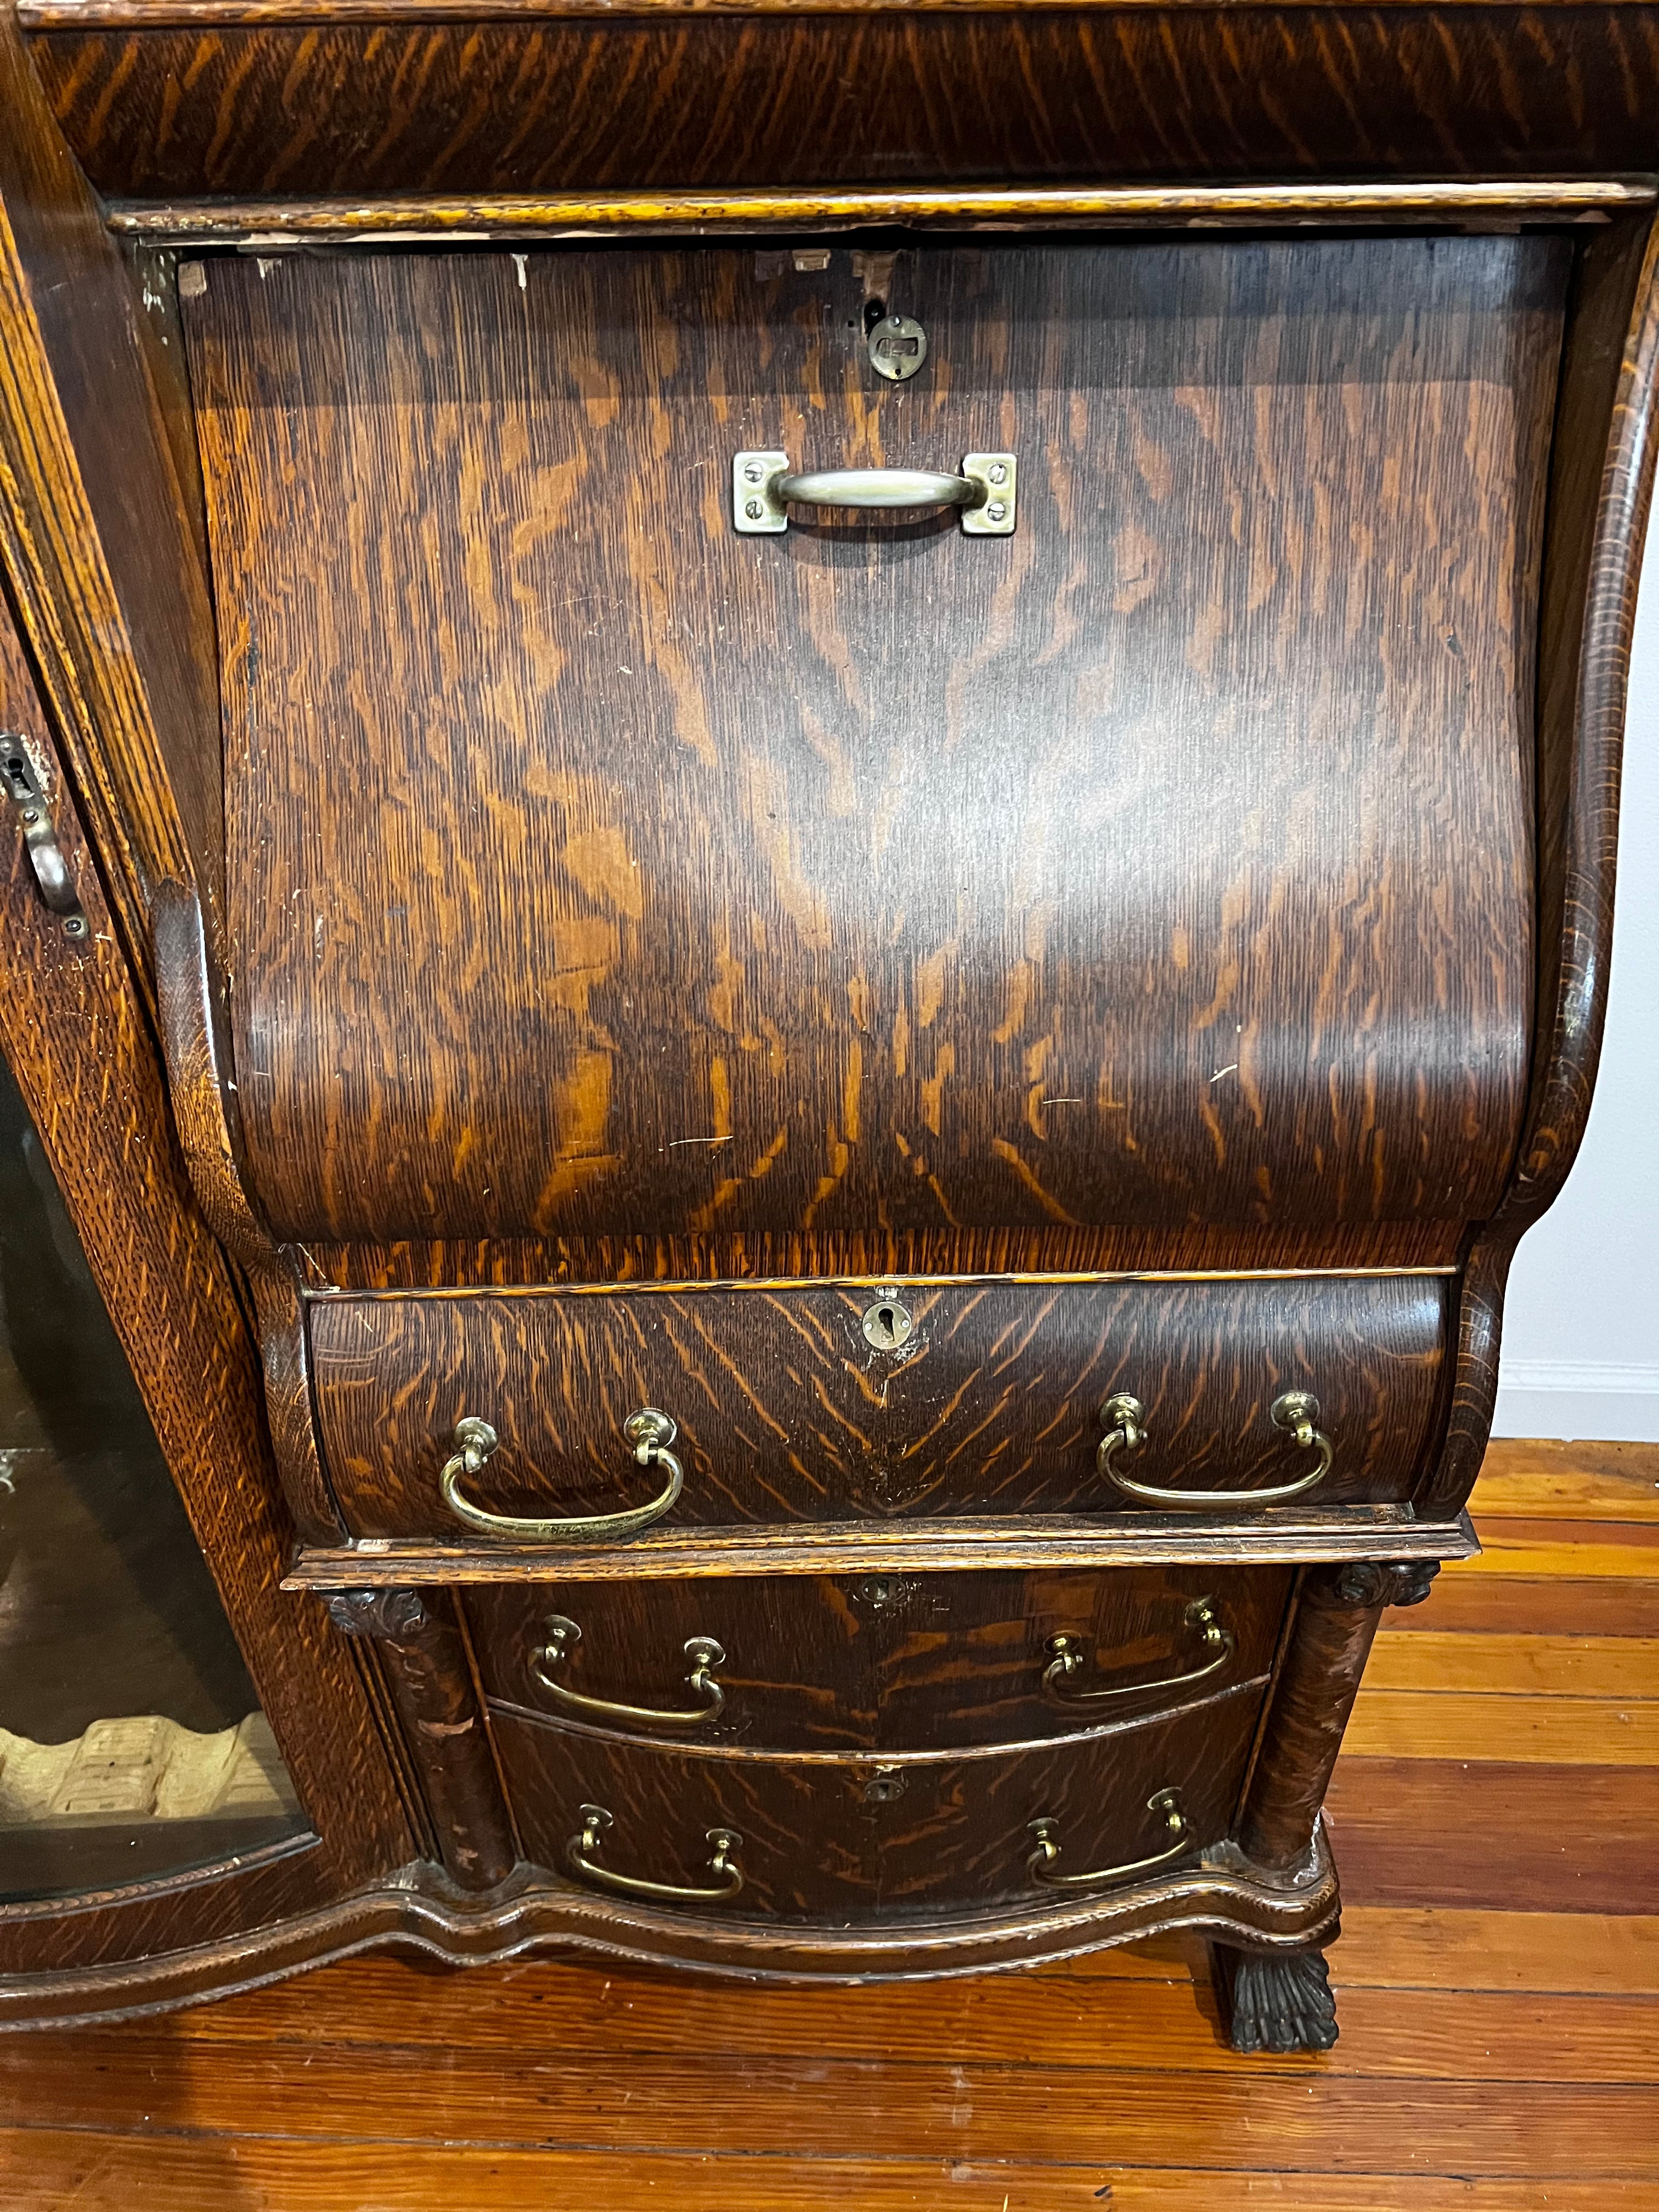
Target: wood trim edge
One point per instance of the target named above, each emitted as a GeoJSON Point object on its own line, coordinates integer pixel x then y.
{"type": "Point", "coordinates": [421, 1910]}
{"type": "Point", "coordinates": [271, 225]}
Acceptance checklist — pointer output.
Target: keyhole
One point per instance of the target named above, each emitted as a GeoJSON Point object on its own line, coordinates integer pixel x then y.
{"type": "Point", "coordinates": [887, 1325]}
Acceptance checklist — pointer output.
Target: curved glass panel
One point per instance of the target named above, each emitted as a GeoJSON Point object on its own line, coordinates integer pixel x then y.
{"type": "Point", "coordinates": [131, 1744]}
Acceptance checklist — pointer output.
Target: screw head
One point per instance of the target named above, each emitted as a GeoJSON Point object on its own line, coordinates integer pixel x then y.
{"type": "Point", "coordinates": [997, 511]}
{"type": "Point", "coordinates": [998, 472]}
{"type": "Point", "coordinates": [75, 926]}
{"type": "Point", "coordinates": [753, 509]}
{"type": "Point", "coordinates": [752, 472]}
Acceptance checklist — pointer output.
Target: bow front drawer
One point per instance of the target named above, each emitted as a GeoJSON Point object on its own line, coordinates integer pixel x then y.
{"type": "Point", "coordinates": [853, 1839]}
{"type": "Point", "coordinates": [559, 1416]}
{"type": "Point", "coordinates": [885, 1662]}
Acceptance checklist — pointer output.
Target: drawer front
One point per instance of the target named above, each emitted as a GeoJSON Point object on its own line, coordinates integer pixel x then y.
{"type": "Point", "coordinates": [899, 1662]}
{"type": "Point", "coordinates": [786, 1412]}
{"type": "Point", "coordinates": [852, 1840]}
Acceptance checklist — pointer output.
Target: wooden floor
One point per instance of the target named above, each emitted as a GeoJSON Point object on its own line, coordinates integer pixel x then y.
{"type": "Point", "coordinates": [1495, 1816]}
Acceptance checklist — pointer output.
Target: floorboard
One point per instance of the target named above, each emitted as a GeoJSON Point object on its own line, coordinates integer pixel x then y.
{"type": "Point", "coordinates": [1494, 1816]}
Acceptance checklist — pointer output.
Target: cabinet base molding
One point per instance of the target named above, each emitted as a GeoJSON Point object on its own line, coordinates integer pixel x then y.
{"type": "Point", "coordinates": [420, 1908]}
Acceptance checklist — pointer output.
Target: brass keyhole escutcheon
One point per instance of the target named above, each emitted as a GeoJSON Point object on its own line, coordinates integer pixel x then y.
{"type": "Point", "coordinates": [888, 1326]}
{"type": "Point", "coordinates": [897, 346]}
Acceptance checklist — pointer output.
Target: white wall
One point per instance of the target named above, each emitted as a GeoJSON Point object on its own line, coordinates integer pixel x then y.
{"type": "Point", "coordinates": [1581, 1334]}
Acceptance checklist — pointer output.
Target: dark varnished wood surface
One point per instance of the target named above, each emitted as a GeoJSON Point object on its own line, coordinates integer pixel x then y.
{"type": "Point", "coordinates": [822, 1840]}
{"type": "Point", "coordinates": [747, 212]}
{"type": "Point", "coordinates": [357, 101]}
{"type": "Point", "coordinates": [1601, 483]}
{"type": "Point", "coordinates": [74, 1034]}
{"type": "Point", "coordinates": [422, 1652]}
{"type": "Point", "coordinates": [1570, 1544]}
{"type": "Point", "coordinates": [884, 1662]}
{"type": "Point", "coordinates": [877, 1255]}
{"type": "Point", "coordinates": [961, 1543]}
{"type": "Point", "coordinates": [785, 1414]}
{"type": "Point", "coordinates": [100, 539]}
{"type": "Point", "coordinates": [1057, 891]}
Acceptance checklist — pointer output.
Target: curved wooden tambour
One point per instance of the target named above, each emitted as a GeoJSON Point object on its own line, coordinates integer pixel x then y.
{"type": "Point", "coordinates": [1095, 904]}
{"type": "Point", "coordinates": [845, 1841]}
{"type": "Point", "coordinates": [382, 96]}
{"type": "Point", "coordinates": [788, 1414]}
{"type": "Point", "coordinates": [886, 1661]}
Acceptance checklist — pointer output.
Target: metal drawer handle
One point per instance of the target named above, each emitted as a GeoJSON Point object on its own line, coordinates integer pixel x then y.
{"type": "Point", "coordinates": [702, 1651]}
{"type": "Point", "coordinates": [649, 1432]}
{"type": "Point", "coordinates": [763, 486]}
{"type": "Point", "coordinates": [1126, 1417]}
{"type": "Point", "coordinates": [1047, 1831]}
{"type": "Point", "coordinates": [579, 1856]}
{"type": "Point", "coordinates": [1067, 1660]}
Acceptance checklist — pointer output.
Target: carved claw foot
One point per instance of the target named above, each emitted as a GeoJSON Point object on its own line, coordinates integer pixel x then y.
{"type": "Point", "coordinates": [1276, 2001]}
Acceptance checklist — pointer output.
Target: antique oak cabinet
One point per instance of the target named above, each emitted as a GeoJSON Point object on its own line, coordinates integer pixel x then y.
{"type": "Point", "coordinates": [807, 860]}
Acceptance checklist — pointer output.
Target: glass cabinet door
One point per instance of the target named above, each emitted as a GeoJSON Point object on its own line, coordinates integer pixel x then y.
{"type": "Point", "coordinates": [131, 1744]}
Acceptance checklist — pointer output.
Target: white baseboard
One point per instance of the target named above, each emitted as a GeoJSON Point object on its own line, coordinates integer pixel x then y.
{"type": "Point", "coordinates": [1591, 1399]}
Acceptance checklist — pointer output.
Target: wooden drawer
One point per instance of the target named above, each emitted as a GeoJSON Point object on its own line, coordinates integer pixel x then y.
{"type": "Point", "coordinates": [851, 1839]}
{"type": "Point", "coordinates": [902, 1663]}
{"type": "Point", "coordinates": [787, 1413]}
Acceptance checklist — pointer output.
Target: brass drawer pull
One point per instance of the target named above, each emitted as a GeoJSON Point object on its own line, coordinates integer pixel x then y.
{"type": "Point", "coordinates": [762, 488]}
{"type": "Point", "coordinates": [1126, 1417]}
{"type": "Point", "coordinates": [702, 1651]}
{"type": "Point", "coordinates": [579, 1856]}
{"type": "Point", "coordinates": [649, 1432]}
{"type": "Point", "coordinates": [1047, 1831]}
{"type": "Point", "coordinates": [1067, 1660]}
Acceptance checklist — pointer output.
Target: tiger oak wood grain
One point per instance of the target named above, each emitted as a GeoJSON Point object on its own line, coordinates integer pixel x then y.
{"type": "Point", "coordinates": [1601, 483]}
{"type": "Point", "coordinates": [877, 1255]}
{"type": "Point", "coordinates": [101, 540]}
{"type": "Point", "coordinates": [896, 1661]}
{"type": "Point", "coordinates": [177, 2121]}
{"type": "Point", "coordinates": [361, 102]}
{"type": "Point", "coordinates": [787, 1413]}
{"type": "Point", "coordinates": [850, 1841]}
{"type": "Point", "coordinates": [1070, 906]}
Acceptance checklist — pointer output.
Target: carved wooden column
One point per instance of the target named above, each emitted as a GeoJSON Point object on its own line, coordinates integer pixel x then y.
{"type": "Point", "coordinates": [1281, 2001]}
{"type": "Point", "coordinates": [432, 1685]}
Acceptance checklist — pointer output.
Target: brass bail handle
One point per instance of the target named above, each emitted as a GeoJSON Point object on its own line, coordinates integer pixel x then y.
{"type": "Point", "coordinates": [1066, 1660]}
{"type": "Point", "coordinates": [1045, 1855]}
{"type": "Point", "coordinates": [1125, 1417]}
{"type": "Point", "coordinates": [704, 1653]}
{"type": "Point", "coordinates": [648, 1432]}
{"type": "Point", "coordinates": [581, 1858]}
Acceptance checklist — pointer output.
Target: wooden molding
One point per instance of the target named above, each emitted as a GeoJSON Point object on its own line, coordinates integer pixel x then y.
{"type": "Point", "coordinates": [145, 14]}
{"type": "Point", "coordinates": [422, 1908]}
{"type": "Point", "coordinates": [1111, 1539]}
{"type": "Point", "coordinates": [274, 224]}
